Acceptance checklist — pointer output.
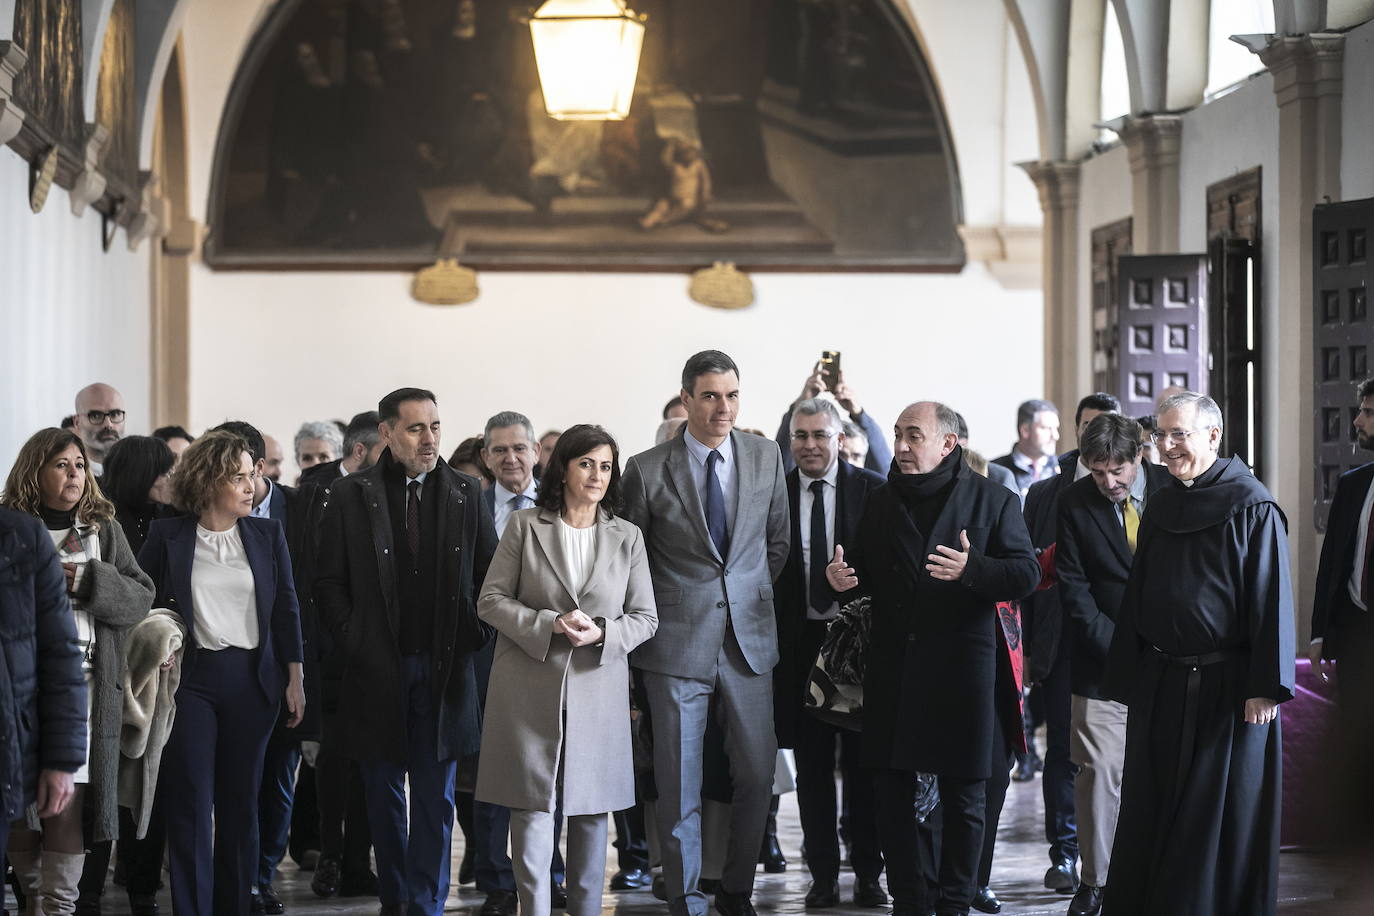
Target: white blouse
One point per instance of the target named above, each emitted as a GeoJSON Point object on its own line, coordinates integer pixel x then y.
{"type": "Point", "coordinates": [81, 549]}
{"type": "Point", "coordinates": [223, 599]}
{"type": "Point", "coordinates": [579, 548]}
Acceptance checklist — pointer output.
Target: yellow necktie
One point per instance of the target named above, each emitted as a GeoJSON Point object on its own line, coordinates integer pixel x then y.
{"type": "Point", "coordinates": [1132, 519]}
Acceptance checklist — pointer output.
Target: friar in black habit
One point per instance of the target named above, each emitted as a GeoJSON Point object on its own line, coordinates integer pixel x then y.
{"type": "Point", "coordinates": [937, 547]}
{"type": "Point", "coordinates": [1203, 654]}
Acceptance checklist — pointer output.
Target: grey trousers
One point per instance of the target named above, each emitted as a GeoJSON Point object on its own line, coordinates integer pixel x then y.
{"type": "Point", "coordinates": [1097, 744]}
{"type": "Point", "coordinates": [531, 853]}
{"type": "Point", "coordinates": [679, 708]}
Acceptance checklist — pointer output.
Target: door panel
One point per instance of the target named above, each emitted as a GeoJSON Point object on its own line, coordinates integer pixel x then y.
{"type": "Point", "coordinates": [1162, 326]}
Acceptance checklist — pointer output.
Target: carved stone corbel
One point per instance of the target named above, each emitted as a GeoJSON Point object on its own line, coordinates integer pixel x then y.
{"type": "Point", "coordinates": [12, 60]}
{"type": "Point", "coordinates": [150, 215]}
{"type": "Point", "coordinates": [89, 183]}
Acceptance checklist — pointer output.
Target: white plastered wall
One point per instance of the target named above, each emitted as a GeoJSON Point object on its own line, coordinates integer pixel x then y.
{"type": "Point", "coordinates": [281, 348]}
{"type": "Point", "coordinates": [70, 313]}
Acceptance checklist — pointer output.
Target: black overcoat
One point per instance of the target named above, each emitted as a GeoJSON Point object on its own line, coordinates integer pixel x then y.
{"type": "Point", "coordinates": [1042, 613]}
{"type": "Point", "coordinates": [796, 654]}
{"type": "Point", "coordinates": [355, 592]}
{"type": "Point", "coordinates": [932, 665]}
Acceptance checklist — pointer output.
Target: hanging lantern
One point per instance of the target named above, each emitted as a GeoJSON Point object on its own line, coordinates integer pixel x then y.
{"type": "Point", "coordinates": [587, 52]}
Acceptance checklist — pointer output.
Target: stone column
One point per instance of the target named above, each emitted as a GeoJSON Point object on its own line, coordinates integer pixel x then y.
{"type": "Point", "coordinates": [1067, 349]}
{"type": "Point", "coordinates": [1152, 141]}
{"type": "Point", "coordinates": [12, 60]}
{"type": "Point", "coordinates": [1307, 71]}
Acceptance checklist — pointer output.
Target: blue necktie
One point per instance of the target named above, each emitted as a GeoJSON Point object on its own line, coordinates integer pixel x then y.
{"type": "Point", "coordinates": [715, 506]}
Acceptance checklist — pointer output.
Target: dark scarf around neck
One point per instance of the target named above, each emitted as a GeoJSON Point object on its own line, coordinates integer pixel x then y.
{"type": "Point", "coordinates": [916, 488]}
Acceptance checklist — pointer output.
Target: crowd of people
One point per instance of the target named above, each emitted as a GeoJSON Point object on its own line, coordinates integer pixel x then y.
{"type": "Point", "coordinates": [536, 639]}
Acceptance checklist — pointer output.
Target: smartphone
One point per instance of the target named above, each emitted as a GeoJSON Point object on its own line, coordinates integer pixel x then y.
{"type": "Point", "coordinates": [830, 369]}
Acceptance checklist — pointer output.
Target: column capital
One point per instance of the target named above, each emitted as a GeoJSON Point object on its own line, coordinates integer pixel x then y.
{"type": "Point", "coordinates": [1304, 66]}
{"type": "Point", "coordinates": [1057, 182]}
{"type": "Point", "coordinates": [1152, 141]}
{"type": "Point", "coordinates": [12, 60]}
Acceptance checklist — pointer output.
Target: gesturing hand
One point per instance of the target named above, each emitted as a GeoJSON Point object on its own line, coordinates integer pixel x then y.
{"type": "Point", "coordinates": [840, 576]}
{"type": "Point", "coordinates": [947, 564]}
{"type": "Point", "coordinates": [1260, 711]}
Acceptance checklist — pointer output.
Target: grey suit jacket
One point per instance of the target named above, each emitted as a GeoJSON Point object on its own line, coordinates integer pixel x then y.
{"type": "Point", "coordinates": [528, 731]}
{"type": "Point", "coordinates": [696, 592]}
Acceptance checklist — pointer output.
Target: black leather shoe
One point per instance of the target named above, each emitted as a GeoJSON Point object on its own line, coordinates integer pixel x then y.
{"type": "Point", "coordinates": [359, 884]}
{"type": "Point", "coordinates": [629, 879]}
{"type": "Point", "coordinates": [1087, 902]}
{"type": "Point", "coordinates": [869, 894]}
{"type": "Point", "coordinates": [143, 905]}
{"type": "Point", "coordinates": [499, 903]}
{"type": "Point", "coordinates": [734, 905]}
{"type": "Point", "coordinates": [325, 882]}
{"type": "Point", "coordinates": [660, 888]}
{"type": "Point", "coordinates": [393, 909]}
{"type": "Point", "coordinates": [771, 857]}
{"type": "Point", "coordinates": [558, 897]}
{"type": "Point", "coordinates": [985, 901]}
{"type": "Point", "coordinates": [823, 894]}
{"type": "Point", "coordinates": [1062, 877]}
{"type": "Point", "coordinates": [467, 871]}
{"type": "Point", "coordinates": [269, 901]}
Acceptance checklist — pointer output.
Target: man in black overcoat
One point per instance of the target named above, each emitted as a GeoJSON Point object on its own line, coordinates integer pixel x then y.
{"type": "Point", "coordinates": [1343, 637]}
{"type": "Point", "coordinates": [404, 548]}
{"type": "Point", "coordinates": [937, 548]}
{"type": "Point", "coordinates": [1202, 655]}
{"type": "Point", "coordinates": [1098, 531]}
{"type": "Point", "coordinates": [826, 498]}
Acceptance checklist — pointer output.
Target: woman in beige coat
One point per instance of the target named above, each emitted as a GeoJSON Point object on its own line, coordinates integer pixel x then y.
{"type": "Point", "coordinates": [569, 594]}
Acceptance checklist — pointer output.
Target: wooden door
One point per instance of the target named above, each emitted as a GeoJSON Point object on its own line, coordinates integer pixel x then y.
{"type": "Point", "coordinates": [1342, 337]}
{"type": "Point", "coordinates": [1162, 328]}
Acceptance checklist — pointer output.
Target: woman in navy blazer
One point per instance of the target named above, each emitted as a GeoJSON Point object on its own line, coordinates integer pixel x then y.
{"type": "Point", "coordinates": [229, 578]}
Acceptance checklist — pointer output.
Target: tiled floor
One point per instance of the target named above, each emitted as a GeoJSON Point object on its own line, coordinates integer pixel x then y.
{"type": "Point", "coordinates": [1305, 885]}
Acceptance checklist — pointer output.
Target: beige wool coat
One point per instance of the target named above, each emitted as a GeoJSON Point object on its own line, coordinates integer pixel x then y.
{"type": "Point", "coordinates": [535, 668]}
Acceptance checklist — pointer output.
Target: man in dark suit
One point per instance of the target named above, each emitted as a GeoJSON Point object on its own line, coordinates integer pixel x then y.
{"type": "Point", "coordinates": [403, 550]}
{"type": "Point", "coordinates": [826, 497]}
{"type": "Point", "coordinates": [713, 509]}
{"type": "Point", "coordinates": [1343, 631]}
{"type": "Point", "coordinates": [936, 549]}
{"type": "Point", "coordinates": [299, 511]}
{"type": "Point", "coordinates": [362, 446]}
{"type": "Point", "coordinates": [1047, 660]}
{"type": "Point", "coordinates": [1031, 458]}
{"type": "Point", "coordinates": [876, 458]}
{"type": "Point", "coordinates": [1099, 517]}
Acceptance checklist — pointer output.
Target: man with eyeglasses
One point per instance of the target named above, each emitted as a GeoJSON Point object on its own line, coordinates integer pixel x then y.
{"type": "Point", "coordinates": [826, 498]}
{"type": "Point", "coordinates": [99, 421]}
{"type": "Point", "coordinates": [1202, 655]}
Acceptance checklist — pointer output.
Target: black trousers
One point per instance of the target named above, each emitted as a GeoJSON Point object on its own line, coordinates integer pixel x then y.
{"type": "Point", "coordinates": [1056, 783]}
{"type": "Point", "coordinates": [816, 750]}
{"type": "Point", "coordinates": [344, 831]}
{"type": "Point", "coordinates": [996, 796]}
{"type": "Point", "coordinates": [631, 839]}
{"type": "Point", "coordinates": [905, 845]}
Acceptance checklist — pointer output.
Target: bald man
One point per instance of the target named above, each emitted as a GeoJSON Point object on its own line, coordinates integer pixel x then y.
{"type": "Point", "coordinates": [99, 421]}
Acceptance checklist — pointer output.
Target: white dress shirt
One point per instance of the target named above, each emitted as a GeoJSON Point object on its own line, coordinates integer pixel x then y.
{"type": "Point", "coordinates": [804, 502]}
{"type": "Point", "coordinates": [505, 503]}
{"type": "Point", "coordinates": [725, 473]}
{"type": "Point", "coordinates": [223, 598]}
{"type": "Point", "coordinates": [264, 508]}
{"type": "Point", "coordinates": [579, 551]}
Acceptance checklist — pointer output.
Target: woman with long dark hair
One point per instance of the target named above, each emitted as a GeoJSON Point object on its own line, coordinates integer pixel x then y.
{"type": "Point", "coordinates": [109, 593]}
{"type": "Point", "coordinates": [569, 594]}
{"type": "Point", "coordinates": [138, 480]}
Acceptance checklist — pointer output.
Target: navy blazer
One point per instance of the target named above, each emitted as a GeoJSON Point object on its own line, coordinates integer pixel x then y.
{"type": "Point", "coordinates": [167, 556]}
{"type": "Point", "coordinates": [1332, 610]}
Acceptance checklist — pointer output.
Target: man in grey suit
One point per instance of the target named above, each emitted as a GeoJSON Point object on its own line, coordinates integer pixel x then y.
{"type": "Point", "coordinates": [712, 504]}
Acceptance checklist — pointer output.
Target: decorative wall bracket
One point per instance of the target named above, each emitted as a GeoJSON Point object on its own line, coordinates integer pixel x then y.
{"type": "Point", "coordinates": [1013, 254]}
{"type": "Point", "coordinates": [12, 60]}
{"type": "Point", "coordinates": [445, 283]}
{"type": "Point", "coordinates": [150, 216]}
{"type": "Point", "coordinates": [722, 286]}
{"type": "Point", "coordinates": [90, 183]}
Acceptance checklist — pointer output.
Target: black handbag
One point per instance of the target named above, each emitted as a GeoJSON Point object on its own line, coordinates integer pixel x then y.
{"type": "Point", "coordinates": [835, 687]}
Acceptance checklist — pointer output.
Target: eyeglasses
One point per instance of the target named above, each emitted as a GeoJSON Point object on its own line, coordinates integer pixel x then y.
{"type": "Point", "coordinates": [1162, 437]}
{"type": "Point", "coordinates": [802, 435]}
{"type": "Point", "coordinates": [96, 417]}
